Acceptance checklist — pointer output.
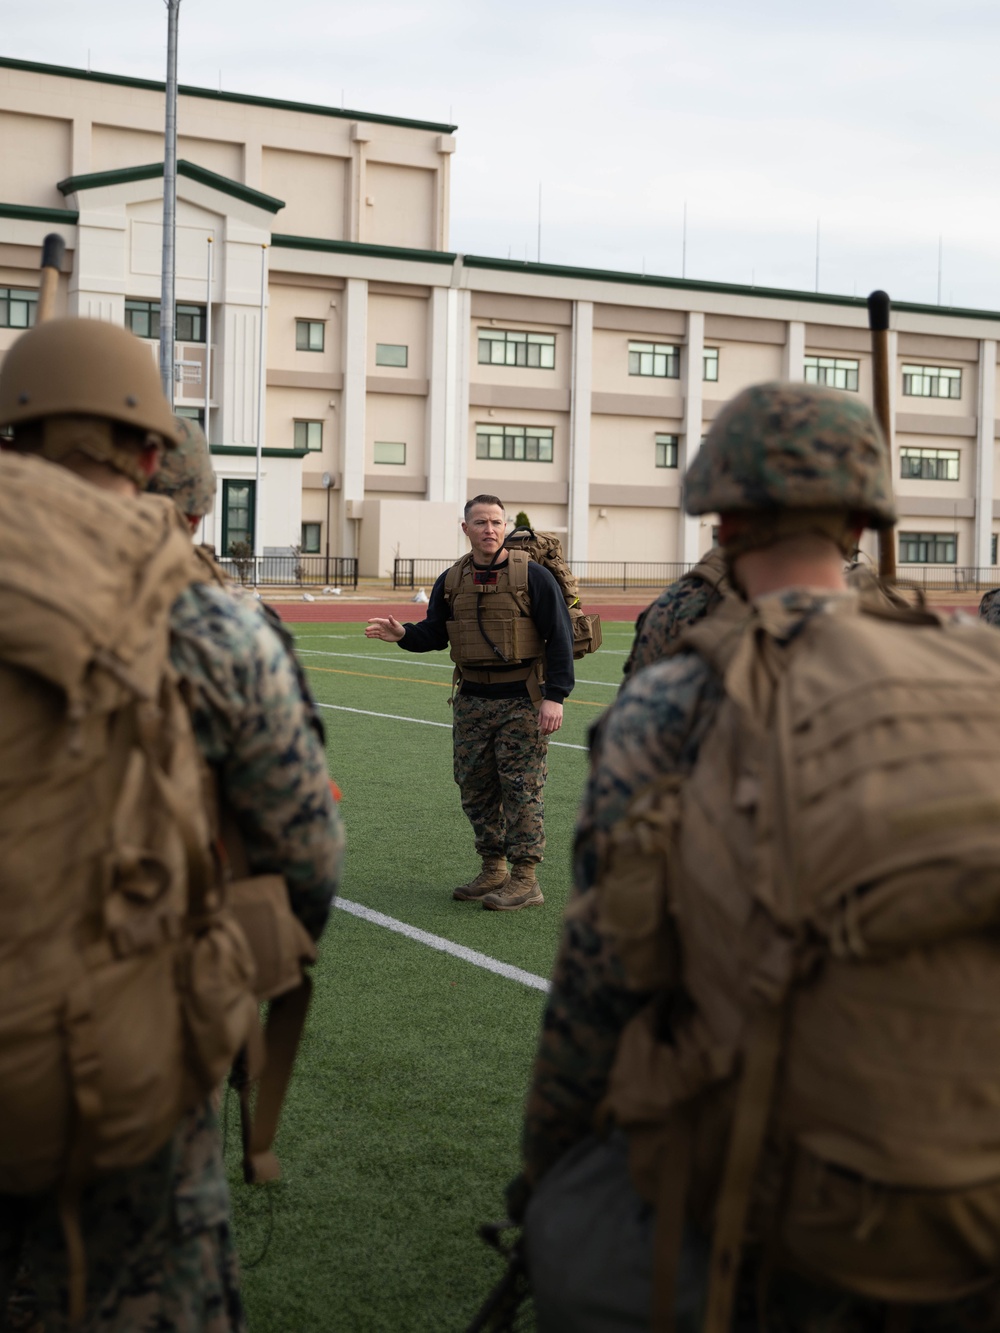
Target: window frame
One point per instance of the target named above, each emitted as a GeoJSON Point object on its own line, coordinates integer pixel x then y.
{"type": "Point", "coordinates": [305, 547]}
{"type": "Point", "coordinates": [665, 441]}
{"type": "Point", "coordinates": [20, 296]}
{"type": "Point", "coordinates": [391, 444]}
{"type": "Point", "coordinates": [135, 305]}
{"type": "Point", "coordinates": [396, 347]}
{"type": "Point", "coordinates": [908, 541]}
{"type": "Point", "coordinates": [303, 344]}
{"type": "Point", "coordinates": [668, 353]}
{"type": "Point", "coordinates": [513, 342]}
{"type": "Point", "coordinates": [228, 485]}
{"type": "Point", "coordinates": [929, 455]}
{"type": "Point", "coordinates": [710, 356]}
{"type": "Point", "coordinates": [512, 432]}
{"type": "Point", "coordinates": [950, 375]}
{"type": "Point", "coordinates": [842, 372]}
{"type": "Point", "coordinates": [307, 433]}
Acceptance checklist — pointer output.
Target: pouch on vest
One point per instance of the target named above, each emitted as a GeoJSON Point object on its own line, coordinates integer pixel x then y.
{"type": "Point", "coordinates": [282, 949]}
{"type": "Point", "coordinates": [834, 886]}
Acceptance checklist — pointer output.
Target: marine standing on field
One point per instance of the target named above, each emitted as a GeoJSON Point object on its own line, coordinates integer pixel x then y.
{"type": "Point", "coordinates": [634, 1080]}
{"type": "Point", "coordinates": [505, 707]}
{"type": "Point", "coordinates": [159, 1249]}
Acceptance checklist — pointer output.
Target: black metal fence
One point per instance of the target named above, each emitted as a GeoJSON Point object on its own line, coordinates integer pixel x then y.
{"type": "Point", "coordinates": [623, 574]}
{"type": "Point", "coordinates": [335, 571]}
{"type": "Point", "coordinates": [948, 578]}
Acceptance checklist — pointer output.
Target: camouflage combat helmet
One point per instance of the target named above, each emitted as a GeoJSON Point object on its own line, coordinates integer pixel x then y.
{"type": "Point", "coordinates": [186, 474]}
{"type": "Point", "coordinates": [782, 446]}
{"type": "Point", "coordinates": [77, 377]}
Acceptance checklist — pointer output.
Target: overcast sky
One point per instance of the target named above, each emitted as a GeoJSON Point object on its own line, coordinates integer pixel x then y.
{"type": "Point", "coordinates": [876, 119]}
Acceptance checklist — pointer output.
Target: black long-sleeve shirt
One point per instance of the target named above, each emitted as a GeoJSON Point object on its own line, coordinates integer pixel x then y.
{"type": "Point", "coordinates": [551, 619]}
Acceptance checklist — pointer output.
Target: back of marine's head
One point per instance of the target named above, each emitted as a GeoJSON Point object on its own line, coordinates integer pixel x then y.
{"type": "Point", "coordinates": [787, 458]}
{"type": "Point", "coordinates": [186, 475]}
{"type": "Point", "coordinates": [85, 386]}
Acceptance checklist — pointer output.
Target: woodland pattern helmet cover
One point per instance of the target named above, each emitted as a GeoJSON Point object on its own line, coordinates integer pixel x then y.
{"type": "Point", "coordinates": [186, 474]}
{"type": "Point", "coordinates": [788, 446]}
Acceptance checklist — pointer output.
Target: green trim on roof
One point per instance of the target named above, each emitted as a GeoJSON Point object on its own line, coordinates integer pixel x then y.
{"type": "Point", "coordinates": [154, 85]}
{"type": "Point", "coordinates": [248, 451]}
{"type": "Point", "coordinates": [729, 288]}
{"type": "Point", "coordinates": [29, 214]}
{"type": "Point", "coordinates": [359, 248]}
{"type": "Point", "coordinates": [151, 170]}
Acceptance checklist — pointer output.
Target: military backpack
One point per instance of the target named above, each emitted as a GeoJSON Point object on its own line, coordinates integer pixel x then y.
{"type": "Point", "coordinates": [126, 987]}
{"type": "Point", "coordinates": [823, 1080]}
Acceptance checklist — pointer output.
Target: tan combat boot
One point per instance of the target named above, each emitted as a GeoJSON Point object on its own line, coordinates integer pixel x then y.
{"type": "Point", "coordinates": [493, 876]}
{"type": "Point", "coordinates": [521, 890]}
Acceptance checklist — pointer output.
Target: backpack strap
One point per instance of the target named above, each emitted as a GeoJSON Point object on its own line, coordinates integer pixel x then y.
{"type": "Point", "coordinates": [711, 569]}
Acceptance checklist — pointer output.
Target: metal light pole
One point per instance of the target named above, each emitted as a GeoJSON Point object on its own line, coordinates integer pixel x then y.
{"type": "Point", "coordinates": [169, 208]}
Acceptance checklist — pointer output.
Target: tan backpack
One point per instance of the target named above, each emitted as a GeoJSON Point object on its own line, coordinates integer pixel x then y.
{"type": "Point", "coordinates": [125, 985]}
{"type": "Point", "coordinates": [826, 1085]}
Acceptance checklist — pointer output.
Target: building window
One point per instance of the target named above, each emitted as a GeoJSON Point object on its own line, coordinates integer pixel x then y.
{"type": "Point", "coordinates": [190, 323]}
{"type": "Point", "coordinates": [309, 335]}
{"type": "Point", "coordinates": [143, 318]}
{"type": "Point", "coordinates": [710, 364]}
{"type": "Point", "coordinates": [237, 513]}
{"type": "Point", "coordinates": [657, 359]}
{"type": "Point", "coordinates": [929, 464]}
{"type": "Point", "coordinates": [504, 347]}
{"type": "Point", "coordinates": [521, 444]}
{"type": "Point", "coordinates": [17, 308]}
{"type": "Point", "coordinates": [928, 548]}
{"type": "Point", "coordinates": [993, 549]}
{"type": "Point", "coordinates": [835, 372]}
{"type": "Point", "coordinates": [310, 538]}
{"type": "Point", "coordinates": [309, 435]}
{"type": "Point", "coordinates": [191, 414]}
{"type": "Point", "coordinates": [666, 450]}
{"type": "Point", "coordinates": [390, 451]}
{"type": "Point", "coordinates": [932, 382]}
{"type": "Point", "coordinates": [391, 354]}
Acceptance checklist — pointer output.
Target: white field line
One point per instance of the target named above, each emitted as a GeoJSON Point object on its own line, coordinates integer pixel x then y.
{"type": "Point", "coordinates": [395, 717]}
{"type": "Point", "coordinates": [386, 658]}
{"type": "Point", "coordinates": [444, 946]}
{"type": "Point", "coordinates": [439, 666]}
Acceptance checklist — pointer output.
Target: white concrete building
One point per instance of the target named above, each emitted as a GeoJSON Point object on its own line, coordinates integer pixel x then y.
{"type": "Point", "coordinates": [410, 378]}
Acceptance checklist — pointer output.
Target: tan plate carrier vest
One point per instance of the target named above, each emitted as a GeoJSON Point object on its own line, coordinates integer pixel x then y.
{"type": "Point", "coordinates": [505, 609]}
{"type": "Point", "coordinates": [826, 1081]}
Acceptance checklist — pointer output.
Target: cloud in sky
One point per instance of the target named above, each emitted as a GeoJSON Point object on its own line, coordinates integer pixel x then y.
{"type": "Point", "coordinates": [876, 119]}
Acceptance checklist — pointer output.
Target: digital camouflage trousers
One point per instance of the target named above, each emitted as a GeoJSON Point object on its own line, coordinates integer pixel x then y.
{"type": "Point", "coordinates": [159, 1251]}
{"type": "Point", "coordinates": [500, 767]}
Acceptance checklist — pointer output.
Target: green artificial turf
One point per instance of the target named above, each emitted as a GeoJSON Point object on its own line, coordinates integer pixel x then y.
{"type": "Point", "coordinates": [402, 1124]}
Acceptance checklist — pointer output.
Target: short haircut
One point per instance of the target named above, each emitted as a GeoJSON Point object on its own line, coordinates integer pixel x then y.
{"type": "Point", "coordinates": [482, 500]}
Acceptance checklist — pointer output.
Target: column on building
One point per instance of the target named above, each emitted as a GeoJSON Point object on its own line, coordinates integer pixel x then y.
{"type": "Point", "coordinates": [581, 392]}
{"type": "Point", "coordinates": [985, 435]}
{"type": "Point", "coordinates": [793, 361]}
{"type": "Point", "coordinates": [448, 395]}
{"type": "Point", "coordinates": [692, 370]}
{"type": "Point", "coordinates": [354, 332]}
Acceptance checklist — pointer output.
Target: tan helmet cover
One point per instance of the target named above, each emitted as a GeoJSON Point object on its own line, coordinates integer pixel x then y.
{"type": "Point", "coordinates": [84, 367]}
